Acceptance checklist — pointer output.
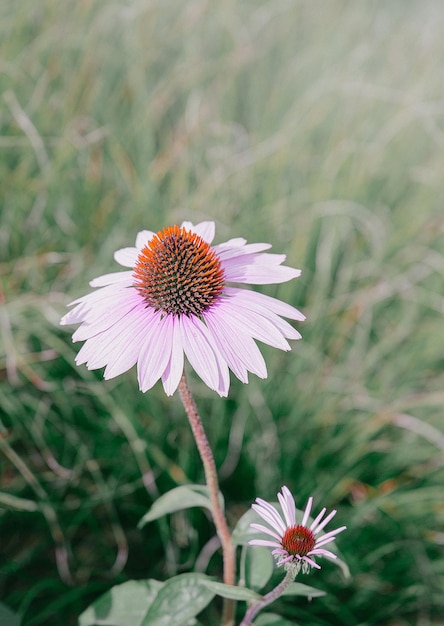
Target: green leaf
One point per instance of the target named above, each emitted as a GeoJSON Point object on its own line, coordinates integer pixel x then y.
{"type": "Point", "coordinates": [271, 619]}
{"type": "Point", "coordinates": [299, 589]}
{"type": "Point", "coordinates": [242, 533]}
{"type": "Point", "coordinates": [183, 497]}
{"type": "Point", "coordinates": [123, 604]}
{"type": "Point", "coordinates": [259, 564]}
{"type": "Point", "coordinates": [232, 592]}
{"type": "Point", "coordinates": [180, 599]}
{"type": "Point", "coordinates": [8, 617]}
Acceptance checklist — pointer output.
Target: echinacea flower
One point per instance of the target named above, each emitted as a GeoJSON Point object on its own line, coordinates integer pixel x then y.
{"type": "Point", "coordinates": [293, 543]}
{"type": "Point", "coordinates": [175, 301]}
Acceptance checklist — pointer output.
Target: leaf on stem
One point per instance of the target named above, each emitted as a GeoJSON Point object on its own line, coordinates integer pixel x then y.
{"type": "Point", "coordinates": [150, 602]}
{"type": "Point", "coordinates": [299, 589]}
{"type": "Point", "coordinates": [271, 619]}
{"type": "Point", "coordinates": [179, 600]}
{"type": "Point", "coordinates": [179, 498]}
{"type": "Point", "coordinates": [259, 565]}
{"type": "Point", "coordinates": [231, 591]}
{"type": "Point", "coordinates": [123, 604]}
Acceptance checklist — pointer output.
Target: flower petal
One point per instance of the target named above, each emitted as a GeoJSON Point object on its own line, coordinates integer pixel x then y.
{"type": "Point", "coordinates": [174, 369]}
{"type": "Point", "coordinates": [143, 237]}
{"type": "Point", "coordinates": [126, 349]}
{"type": "Point", "coordinates": [269, 514]}
{"type": "Point", "coordinates": [307, 511]}
{"type": "Point", "coordinates": [236, 242]}
{"type": "Point", "coordinates": [107, 312]}
{"type": "Point", "coordinates": [88, 307]}
{"type": "Point", "coordinates": [101, 349]}
{"type": "Point", "coordinates": [237, 348]}
{"type": "Point", "coordinates": [287, 503]}
{"type": "Point", "coordinates": [251, 323]}
{"type": "Point", "coordinates": [311, 562]}
{"type": "Point", "coordinates": [263, 542]}
{"type": "Point", "coordinates": [259, 269]}
{"type": "Point", "coordinates": [315, 528]}
{"type": "Point", "coordinates": [126, 256]}
{"type": "Point", "coordinates": [206, 230]}
{"type": "Point", "coordinates": [322, 552]}
{"type": "Point", "coordinates": [227, 251]}
{"type": "Point", "coordinates": [203, 355]}
{"type": "Point", "coordinates": [155, 353]}
{"type": "Point", "coordinates": [263, 529]}
{"type": "Point", "coordinates": [125, 278]}
{"type": "Point", "coordinates": [329, 536]}
{"type": "Point", "coordinates": [254, 298]}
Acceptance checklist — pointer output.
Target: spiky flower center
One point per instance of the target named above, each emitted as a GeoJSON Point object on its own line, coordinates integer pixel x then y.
{"type": "Point", "coordinates": [298, 540]}
{"type": "Point", "coordinates": [178, 273]}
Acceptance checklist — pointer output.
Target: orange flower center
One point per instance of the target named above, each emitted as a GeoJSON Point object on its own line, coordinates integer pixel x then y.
{"type": "Point", "coordinates": [298, 540]}
{"type": "Point", "coordinates": [177, 272]}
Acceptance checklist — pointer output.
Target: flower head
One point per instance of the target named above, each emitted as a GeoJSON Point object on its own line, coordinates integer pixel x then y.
{"type": "Point", "coordinates": [175, 301]}
{"type": "Point", "coordinates": [293, 543]}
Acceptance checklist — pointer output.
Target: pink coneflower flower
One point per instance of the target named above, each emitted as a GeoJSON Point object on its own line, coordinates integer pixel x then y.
{"type": "Point", "coordinates": [175, 301]}
{"type": "Point", "coordinates": [293, 543]}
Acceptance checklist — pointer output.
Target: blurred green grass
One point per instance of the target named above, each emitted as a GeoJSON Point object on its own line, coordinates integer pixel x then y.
{"type": "Point", "coordinates": [316, 126]}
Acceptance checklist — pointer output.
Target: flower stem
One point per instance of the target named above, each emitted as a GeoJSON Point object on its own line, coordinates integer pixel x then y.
{"type": "Point", "coordinates": [270, 597]}
{"type": "Point", "coordinates": [220, 522]}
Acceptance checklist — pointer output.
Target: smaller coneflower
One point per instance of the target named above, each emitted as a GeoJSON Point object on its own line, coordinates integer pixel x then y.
{"type": "Point", "coordinates": [294, 544]}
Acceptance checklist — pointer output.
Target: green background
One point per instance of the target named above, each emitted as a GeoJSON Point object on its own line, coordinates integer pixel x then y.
{"type": "Point", "coordinates": [315, 126]}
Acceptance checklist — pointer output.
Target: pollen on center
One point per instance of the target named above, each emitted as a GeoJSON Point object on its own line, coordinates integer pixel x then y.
{"type": "Point", "coordinates": [179, 273]}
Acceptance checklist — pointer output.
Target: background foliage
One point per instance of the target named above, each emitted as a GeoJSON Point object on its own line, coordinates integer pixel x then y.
{"type": "Point", "coordinates": [316, 126]}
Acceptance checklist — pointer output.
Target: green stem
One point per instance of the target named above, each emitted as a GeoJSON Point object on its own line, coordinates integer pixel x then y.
{"type": "Point", "coordinates": [220, 522]}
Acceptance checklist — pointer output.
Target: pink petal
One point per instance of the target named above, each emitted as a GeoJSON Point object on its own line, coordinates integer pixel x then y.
{"type": "Point", "coordinates": [125, 278]}
{"type": "Point", "coordinates": [323, 553]}
{"type": "Point", "coordinates": [203, 355]}
{"type": "Point", "coordinates": [263, 529]}
{"type": "Point", "coordinates": [126, 348]}
{"type": "Point", "coordinates": [101, 349]}
{"type": "Point", "coordinates": [143, 237]}
{"type": "Point", "coordinates": [329, 536]}
{"type": "Point", "coordinates": [317, 519]}
{"type": "Point", "coordinates": [228, 354]}
{"type": "Point", "coordinates": [237, 348]}
{"type": "Point", "coordinates": [174, 369]}
{"type": "Point", "coordinates": [126, 256]}
{"type": "Point", "coordinates": [315, 529]}
{"type": "Point", "coordinates": [155, 352]}
{"type": "Point", "coordinates": [88, 307]}
{"type": "Point", "coordinates": [263, 542]}
{"type": "Point", "coordinates": [228, 252]}
{"type": "Point", "coordinates": [311, 562]}
{"type": "Point", "coordinates": [254, 325]}
{"type": "Point", "coordinates": [206, 230]}
{"type": "Point", "coordinates": [307, 511]}
{"type": "Point", "coordinates": [253, 298]}
{"type": "Point", "coordinates": [269, 514]}
{"type": "Point", "coordinates": [259, 269]}
{"type": "Point", "coordinates": [287, 503]}
{"type": "Point", "coordinates": [236, 242]}
{"type": "Point", "coordinates": [107, 313]}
